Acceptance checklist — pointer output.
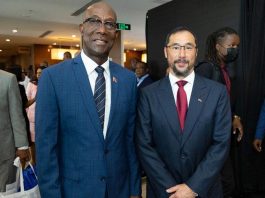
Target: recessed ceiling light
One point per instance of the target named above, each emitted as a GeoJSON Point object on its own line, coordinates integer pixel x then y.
{"type": "Point", "coordinates": [1, 50]}
{"type": "Point", "coordinates": [14, 30]}
{"type": "Point", "coordinates": [134, 49]}
{"type": "Point", "coordinates": [77, 45]}
{"type": "Point", "coordinates": [54, 44]}
{"type": "Point", "coordinates": [7, 40]}
{"type": "Point", "coordinates": [73, 35]}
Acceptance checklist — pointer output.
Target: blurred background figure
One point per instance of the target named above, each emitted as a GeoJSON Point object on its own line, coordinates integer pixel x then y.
{"type": "Point", "coordinates": [31, 92]}
{"type": "Point", "coordinates": [44, 64]}
{"type": "Point", "coordinates": [142, 73]}
{"type": "Point", "coordinates": [67, 55]}
{"type": "Point", "coordinates": [24, 80]}
{"type": "Point", "coordinates": [133, 62]}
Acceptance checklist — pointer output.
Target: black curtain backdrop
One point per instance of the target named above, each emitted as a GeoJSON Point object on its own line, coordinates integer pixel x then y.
{"type": "Point", "coordinates": [203, 17]}
{"type": "Point", "coordinates": [251, 86]}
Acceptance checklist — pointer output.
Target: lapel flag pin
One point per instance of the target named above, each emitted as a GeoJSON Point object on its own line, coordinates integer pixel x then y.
{"type": "Point", "coordinates": [114, 79]}
{"type": "Point", "coordinates": [200, 100]}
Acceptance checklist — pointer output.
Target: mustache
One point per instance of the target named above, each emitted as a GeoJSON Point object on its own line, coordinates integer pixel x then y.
{"type": "Point", "coordinates": [181, 60]}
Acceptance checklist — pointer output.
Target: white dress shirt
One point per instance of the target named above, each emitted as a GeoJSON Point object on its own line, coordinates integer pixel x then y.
{"type": "Point", "coordinates": [90, 66]}
{"type": "Point", "coordinates": [188, 87]}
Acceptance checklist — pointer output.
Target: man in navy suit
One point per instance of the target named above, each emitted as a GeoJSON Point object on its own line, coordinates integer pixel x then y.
{"type": "Point", "coordinates": [83, 150]}
{"type": "Point", "coordinates": [183, 126]}
{"type": "Point", "coordinates": [142, 73]}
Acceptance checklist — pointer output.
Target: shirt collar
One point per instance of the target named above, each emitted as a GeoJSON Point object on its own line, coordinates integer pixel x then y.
{"type": "Point", "coordinates": [173, 79]}
{"type": "Point", "coordinates": [91, 65]}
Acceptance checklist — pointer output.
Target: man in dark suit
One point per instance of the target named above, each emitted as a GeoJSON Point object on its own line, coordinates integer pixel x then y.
{"type": "Point", "coordinates": [183, 126]}
{"type": "Point", "coordinates": [142, 73]}
{"type": "Point", "coordinates": [85, 117]}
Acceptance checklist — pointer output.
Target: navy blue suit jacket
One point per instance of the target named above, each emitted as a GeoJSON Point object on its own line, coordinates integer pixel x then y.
{"type": "Point", "coordinates": [146, 81]}
{"type": "Point", "coordinates": [73, 158]}
{"type": "Point", "coordinates": [194, 156]}
{"type": "Point", "coordinates": [260, 129]}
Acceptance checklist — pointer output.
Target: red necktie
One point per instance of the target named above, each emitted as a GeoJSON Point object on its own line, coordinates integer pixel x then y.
{"type": "Point", "coordinates": [182, 103]}
{"type": "Point", "coordinates": [226, 78]}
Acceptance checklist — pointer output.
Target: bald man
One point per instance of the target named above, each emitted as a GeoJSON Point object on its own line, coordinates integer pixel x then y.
{"type": "Point", "coordinates": [85, 118]}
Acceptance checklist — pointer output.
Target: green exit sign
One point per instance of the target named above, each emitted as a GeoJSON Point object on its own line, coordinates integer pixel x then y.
{"type": "Point", "coordinates": [123, 26]}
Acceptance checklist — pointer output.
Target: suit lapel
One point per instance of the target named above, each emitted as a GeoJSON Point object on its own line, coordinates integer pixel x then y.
{"type": "Point", "coordinates": [83, 83]}
{"type": "Point", "coordinates": [197, 101]}
{"type": "Point", "coordinates": [114, 80]}
{"type": "Point", "coordinates": [168, 105]}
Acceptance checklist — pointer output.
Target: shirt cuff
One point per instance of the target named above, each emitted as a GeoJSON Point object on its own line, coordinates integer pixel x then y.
{"type": "Point", "coordinates": [23, 148]}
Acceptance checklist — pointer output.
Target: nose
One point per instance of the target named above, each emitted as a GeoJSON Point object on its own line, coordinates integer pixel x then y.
{"type": "Point", "coordinates": [101, 28]}
{"type": "Point", "coordinates": [182, 51]}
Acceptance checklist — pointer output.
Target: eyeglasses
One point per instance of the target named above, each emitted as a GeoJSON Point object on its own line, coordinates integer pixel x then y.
{"type": "Point", "coordinates": [177, 48]}
{"type": "Point", "coordinates": [96, 23]}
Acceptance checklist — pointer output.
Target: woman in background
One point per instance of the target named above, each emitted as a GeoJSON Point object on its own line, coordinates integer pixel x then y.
{"type": "Point", "coordinates": [221, 50]}
{"type": "Point", "coordinates": [31, 95]}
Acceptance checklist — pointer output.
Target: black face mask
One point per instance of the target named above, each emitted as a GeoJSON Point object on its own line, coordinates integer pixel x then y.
{"type": "Point", "coordinates": [232, 54]}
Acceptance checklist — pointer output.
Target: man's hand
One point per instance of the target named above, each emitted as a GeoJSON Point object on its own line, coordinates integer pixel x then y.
{"type": "Point", "coordinates": [24, 156]}
{"type": "Point", "coordinates": [257, 145]}
{"type": "Point", "coordinates": [181, 191]}
{"type": "Point", "coordinates": [237, 125]}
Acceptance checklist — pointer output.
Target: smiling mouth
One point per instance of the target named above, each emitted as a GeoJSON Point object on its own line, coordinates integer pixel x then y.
{"type": "Point", "coordinates": [100, 42]}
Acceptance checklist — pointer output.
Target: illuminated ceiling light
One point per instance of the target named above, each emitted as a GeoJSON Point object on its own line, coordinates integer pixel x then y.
{"type": "Point", "coordinates": [77, 45]}
{"type": "Point", "coordinates": [7, 40]}
{"type": "Point", "coordinates": [73, 35]}
{"type": "Point", "coordinates": [134, 49]}
{"type": "Point", "coordinates": [14, 30]}
{"type": "Point", "coordinates": [54, 44]}
{"type": "Point", "coordinates": [1, 50]}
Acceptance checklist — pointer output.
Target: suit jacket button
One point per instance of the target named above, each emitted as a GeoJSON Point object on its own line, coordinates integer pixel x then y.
{"type": "Point", "coordinates": [106, 151]}
{"type": "Point", "coordinates": [183, 156]}
{"type": "Point", "coordinates": [102, 179]}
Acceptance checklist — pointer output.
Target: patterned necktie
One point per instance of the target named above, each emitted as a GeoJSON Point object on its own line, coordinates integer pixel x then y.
{"type": "Point", "coordinates": [182, 103]}
{"type": "Point", "coordinates": [100, 94]}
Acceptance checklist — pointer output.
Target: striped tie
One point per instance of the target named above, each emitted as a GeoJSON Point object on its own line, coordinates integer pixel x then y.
{"type": "Point", "coordinates": [100, 94]}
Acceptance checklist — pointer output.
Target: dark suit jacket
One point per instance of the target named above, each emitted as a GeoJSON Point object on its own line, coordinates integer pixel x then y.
{"type": "Point", "coordinates": [147, 81]}
{"type": "Point", "coordinates": [213, 71]}
{"type": "Point", "coordinates": [194, 156]}
{"type": "Point", "coordinates": [74, 159]}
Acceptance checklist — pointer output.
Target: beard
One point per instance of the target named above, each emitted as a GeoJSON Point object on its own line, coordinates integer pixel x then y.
{"type": "Point", "coordinates": [183, 73]}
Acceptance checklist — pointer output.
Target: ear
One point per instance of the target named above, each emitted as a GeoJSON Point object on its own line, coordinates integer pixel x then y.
{"type": "Point", "coordinates": [217, 47]}
{"type": "Point", "coordinates": [117, 34]}
{"type": "Point", "coordinates": [81, 29]}
{"type": "Point", "coordinates": [165, 52]}
{"type": "Point", "coordinates": [196, 54]}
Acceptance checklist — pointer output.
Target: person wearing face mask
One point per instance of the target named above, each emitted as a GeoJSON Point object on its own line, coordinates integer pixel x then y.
{"type": "Point", "coordinates": [221, 51]}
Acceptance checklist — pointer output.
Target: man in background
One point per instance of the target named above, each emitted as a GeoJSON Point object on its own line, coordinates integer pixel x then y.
{"type": "Point", "coordinates": [67, 55]}
{"type": "Point", "coordinates": [142, 73]}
